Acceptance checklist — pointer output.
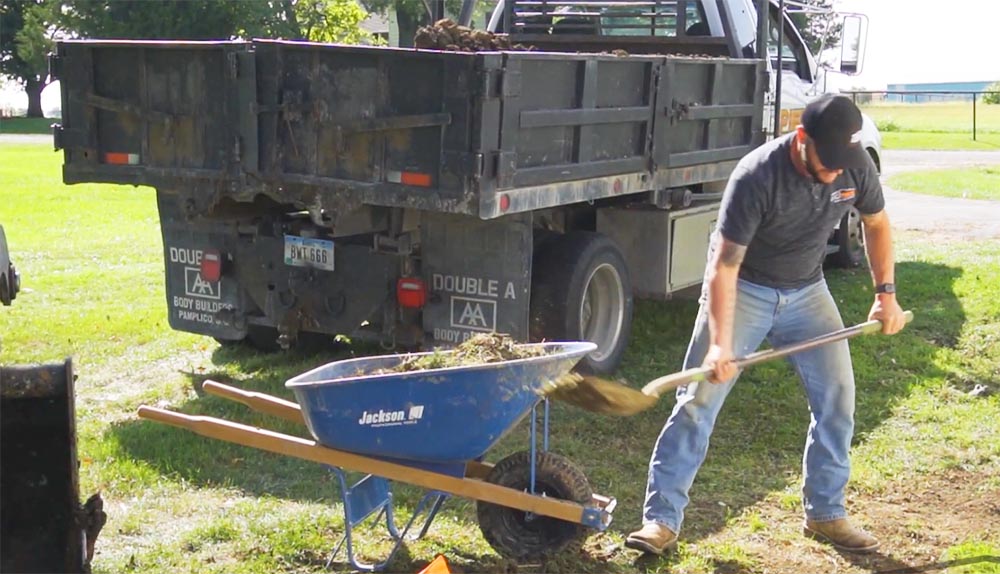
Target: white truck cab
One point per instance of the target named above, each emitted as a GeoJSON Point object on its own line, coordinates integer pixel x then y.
{"type": "Point", "coordinates": [802, 78]}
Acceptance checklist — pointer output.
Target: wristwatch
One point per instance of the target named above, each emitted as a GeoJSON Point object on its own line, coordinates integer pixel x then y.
{"type": "Point", "coordinates": [885, 288]}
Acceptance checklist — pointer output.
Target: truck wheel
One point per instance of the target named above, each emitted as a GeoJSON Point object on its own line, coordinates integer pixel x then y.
{"type": "Point", "coordinates": [5, 297]}
{"type": "Point", "coordinates": [850, 241]}
{"type": "Point", "coordinates": [580, 291]}
{"type": "Point", "coordinates": [521, 535]}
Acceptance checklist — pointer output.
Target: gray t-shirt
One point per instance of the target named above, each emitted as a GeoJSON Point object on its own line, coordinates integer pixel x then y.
{"type": "Point", "coordinates": [784, 218]}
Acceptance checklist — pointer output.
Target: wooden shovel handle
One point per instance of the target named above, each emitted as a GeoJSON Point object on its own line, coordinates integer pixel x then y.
{"type": "Point", "coordinates": [260, 402]}
{"type": "Point", "coordinates": [658, 386]}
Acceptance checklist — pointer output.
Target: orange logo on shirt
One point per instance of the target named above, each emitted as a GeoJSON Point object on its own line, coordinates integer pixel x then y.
{"type": "Point", "coordinates": [842, 195]}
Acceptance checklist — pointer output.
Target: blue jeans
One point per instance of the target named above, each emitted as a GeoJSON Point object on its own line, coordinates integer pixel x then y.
{"type": "Point", "coordinates": [782, 316]}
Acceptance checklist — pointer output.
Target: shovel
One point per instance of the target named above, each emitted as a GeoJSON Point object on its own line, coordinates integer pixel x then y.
{"type": "Point", "coordinates": [609, 397]}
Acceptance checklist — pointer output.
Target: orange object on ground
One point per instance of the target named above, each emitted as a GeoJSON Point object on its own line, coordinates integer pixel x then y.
{"type": "Point", "coordinates": [437, 566]}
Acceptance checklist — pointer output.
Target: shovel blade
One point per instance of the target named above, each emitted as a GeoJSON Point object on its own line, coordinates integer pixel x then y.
{"type": "Point", "coordinates": [599, 395]}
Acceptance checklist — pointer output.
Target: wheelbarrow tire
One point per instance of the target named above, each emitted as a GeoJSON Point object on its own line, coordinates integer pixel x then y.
{"type": "Point", "coordinates": [581, 291]}
{"type": "Point", "coordinates": [516, 535]}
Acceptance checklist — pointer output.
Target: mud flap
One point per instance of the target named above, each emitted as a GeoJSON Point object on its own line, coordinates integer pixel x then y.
{"type": "Point", "coordinates": [479, 275]}
{"type": "Point", "coordinates": [195, 303]}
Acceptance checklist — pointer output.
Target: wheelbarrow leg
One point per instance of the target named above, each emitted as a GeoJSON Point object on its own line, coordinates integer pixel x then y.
{"type": "Point", "coordinates": [439, 498]}
{"type": "Point", "coordinates": [368, 495]}
{"type": "Point", "coordinates": [361, 500]}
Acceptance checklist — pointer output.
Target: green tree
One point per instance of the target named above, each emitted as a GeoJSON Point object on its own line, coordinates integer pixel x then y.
{"type": "Point", "coordinates": [26, 32]}
{"type": "Point", "coordinates": [337, 21]}
{"type": "Point", "coordinates": [410, 14]}
{"type": "Point", "coordinates": [994, 97]}
{"type": "Point", "coordinates": [317, 20]}
{"type": "Point", "coordinates": [178, 20]}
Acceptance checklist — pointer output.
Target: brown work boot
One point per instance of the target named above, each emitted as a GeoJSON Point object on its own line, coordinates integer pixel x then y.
{"type": "Point", "coordinates": [653, 538]}
{"type": "Point", "coordinates": [841, 534]}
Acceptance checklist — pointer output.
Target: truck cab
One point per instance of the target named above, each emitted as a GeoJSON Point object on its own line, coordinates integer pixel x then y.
{"type": "Point", "coordinates": [802, 78]}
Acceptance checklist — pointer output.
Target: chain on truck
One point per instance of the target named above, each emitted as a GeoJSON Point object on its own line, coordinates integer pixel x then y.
{"type": "Point", "coordinates": [417, 197]}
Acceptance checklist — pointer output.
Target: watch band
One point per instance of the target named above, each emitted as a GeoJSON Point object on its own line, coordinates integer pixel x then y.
{"type": "Point", "coordinates": [885, 288]}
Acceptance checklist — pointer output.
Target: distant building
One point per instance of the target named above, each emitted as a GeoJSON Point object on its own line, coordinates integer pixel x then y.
{"type": "Point", "coordinates": [377, 25]}
{"type": "Point", "coordinates": [935, 87]}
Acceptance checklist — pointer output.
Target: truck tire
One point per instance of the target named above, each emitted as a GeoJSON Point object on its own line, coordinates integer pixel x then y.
{"type": "Point", "coordinates": [581, 291]}
{"type": "Point", "coordinates": [850, 241]}
{"type": "Point", "coordinates": [519, 535]}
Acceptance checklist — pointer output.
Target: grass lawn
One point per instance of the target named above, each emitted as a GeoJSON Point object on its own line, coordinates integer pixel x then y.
{"type": "Point", "coordinates": [27, 125]}
{"type": "Point", "coordinates": [972, 183]}
{"type": "Point", "coordinates": [941, 141]}
{"type": "Point", "coordinates": [936, 117]}
{"type": "Point", "coordinates": [945, 126]}
{"type": "Point", "coordinates": [926, 459]}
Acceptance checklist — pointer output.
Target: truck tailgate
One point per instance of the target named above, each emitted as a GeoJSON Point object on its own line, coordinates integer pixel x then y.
{"type": "Point", "coordinates": [152, 113]}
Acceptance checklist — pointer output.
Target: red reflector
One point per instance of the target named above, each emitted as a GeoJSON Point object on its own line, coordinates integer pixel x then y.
{"type": "Point", "coordinates": [211, 265]}
{"type": "Point", "coordinates": [121, 158]}
{"type": "Point", "coordinates": [504, 202]}
{"type": "Point", "coordinates": [413, 178]}
{"type": "Point", "coordinates": [411, 292]}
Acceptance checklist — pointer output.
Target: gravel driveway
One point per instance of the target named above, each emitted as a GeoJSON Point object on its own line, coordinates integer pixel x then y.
{"type": "Point", "coordinates": [953, 217]}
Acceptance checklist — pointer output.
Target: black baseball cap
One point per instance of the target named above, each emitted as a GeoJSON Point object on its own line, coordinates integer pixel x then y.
{"type": "Point", "coordinates": [833, 122]}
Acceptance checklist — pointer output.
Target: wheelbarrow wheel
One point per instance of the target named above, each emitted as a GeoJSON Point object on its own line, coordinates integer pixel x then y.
{"type": "Point", "coordinates": [521, 535]}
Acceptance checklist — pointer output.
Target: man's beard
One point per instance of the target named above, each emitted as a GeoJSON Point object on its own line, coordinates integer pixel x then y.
{"type": "Point", "coordinates": [812, 171]}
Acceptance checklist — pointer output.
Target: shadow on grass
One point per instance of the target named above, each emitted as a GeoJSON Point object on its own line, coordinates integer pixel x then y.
{"type": "Point", "coordinates": [756, 447]}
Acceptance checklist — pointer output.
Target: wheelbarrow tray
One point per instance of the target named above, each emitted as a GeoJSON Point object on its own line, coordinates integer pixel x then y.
{"type": "Point", "coordinates": [430, 417]}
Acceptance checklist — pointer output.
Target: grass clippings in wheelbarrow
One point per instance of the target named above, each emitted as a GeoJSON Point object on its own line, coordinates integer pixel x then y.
{"type": "Point", "coordinates": [479, 349]}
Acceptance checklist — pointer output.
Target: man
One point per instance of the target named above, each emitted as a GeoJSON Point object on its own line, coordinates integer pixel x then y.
{"type": "Point", "coordinates": [765, 280]}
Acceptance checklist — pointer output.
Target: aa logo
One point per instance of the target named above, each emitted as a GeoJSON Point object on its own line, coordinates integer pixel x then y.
{"type": "Point", "coordinates": [195, 286]}
{"type": "Point", "coordinates": [475, 314]}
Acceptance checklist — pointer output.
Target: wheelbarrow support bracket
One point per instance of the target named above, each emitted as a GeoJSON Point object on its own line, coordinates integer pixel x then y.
{"type": "Point", "coordinates": [372, 494]}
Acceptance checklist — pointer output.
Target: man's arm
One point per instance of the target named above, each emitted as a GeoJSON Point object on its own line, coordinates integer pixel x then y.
{"type": "Point", "coordinates": [878, 246]}
{"type": "Point", "coordinates": [723, 272]}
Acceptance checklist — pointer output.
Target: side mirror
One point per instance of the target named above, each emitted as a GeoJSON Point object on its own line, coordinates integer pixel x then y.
{"type": "Point", "coordinates": [853, 33]}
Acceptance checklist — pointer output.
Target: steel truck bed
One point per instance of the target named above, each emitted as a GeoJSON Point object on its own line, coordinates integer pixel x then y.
{"type": "Point", "coordinates": [323, 126]}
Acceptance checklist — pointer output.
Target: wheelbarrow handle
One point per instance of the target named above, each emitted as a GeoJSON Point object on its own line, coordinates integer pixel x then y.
{"type": "Point", "coordinates": [658, 386]}
{"type": "Point", "coordinates": [260, 402]}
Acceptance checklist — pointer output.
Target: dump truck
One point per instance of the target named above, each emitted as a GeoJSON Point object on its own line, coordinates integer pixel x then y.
{"type": "Point", "coordinates": [415, 197]}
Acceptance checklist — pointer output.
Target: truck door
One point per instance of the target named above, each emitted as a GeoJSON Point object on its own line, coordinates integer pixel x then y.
{"type": "Point", "coordinates": [798, 72]}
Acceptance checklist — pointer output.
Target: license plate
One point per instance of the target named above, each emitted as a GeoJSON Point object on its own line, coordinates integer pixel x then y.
{"type": "Point", "coordinates": [309, 252]}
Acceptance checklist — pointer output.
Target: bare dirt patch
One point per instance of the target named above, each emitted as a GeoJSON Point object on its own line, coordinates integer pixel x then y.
{"type": "Point", "coordinates": [916, 520]}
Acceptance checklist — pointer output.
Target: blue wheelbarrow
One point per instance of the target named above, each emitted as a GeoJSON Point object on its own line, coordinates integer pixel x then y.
{"type": "Point", "coordinates": [430, 428]}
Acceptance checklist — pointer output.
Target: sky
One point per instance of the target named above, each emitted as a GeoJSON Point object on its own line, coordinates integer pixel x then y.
{"type": "Point", "coordinates": [915, 41]}
{"type": "Point", "coordinates": [908, 41]}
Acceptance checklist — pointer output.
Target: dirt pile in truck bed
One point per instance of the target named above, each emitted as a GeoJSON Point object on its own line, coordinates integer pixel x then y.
{"type": "Point", "coordinates": [479, 349]}
{"type": "Point", "coordinates": [447, 35]}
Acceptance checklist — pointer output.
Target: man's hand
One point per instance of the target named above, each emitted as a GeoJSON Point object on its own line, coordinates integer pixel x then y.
{"type": "Point", "coordinates": [721, 361]}
{"type": "Point", "coordinates": [887, 310]}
